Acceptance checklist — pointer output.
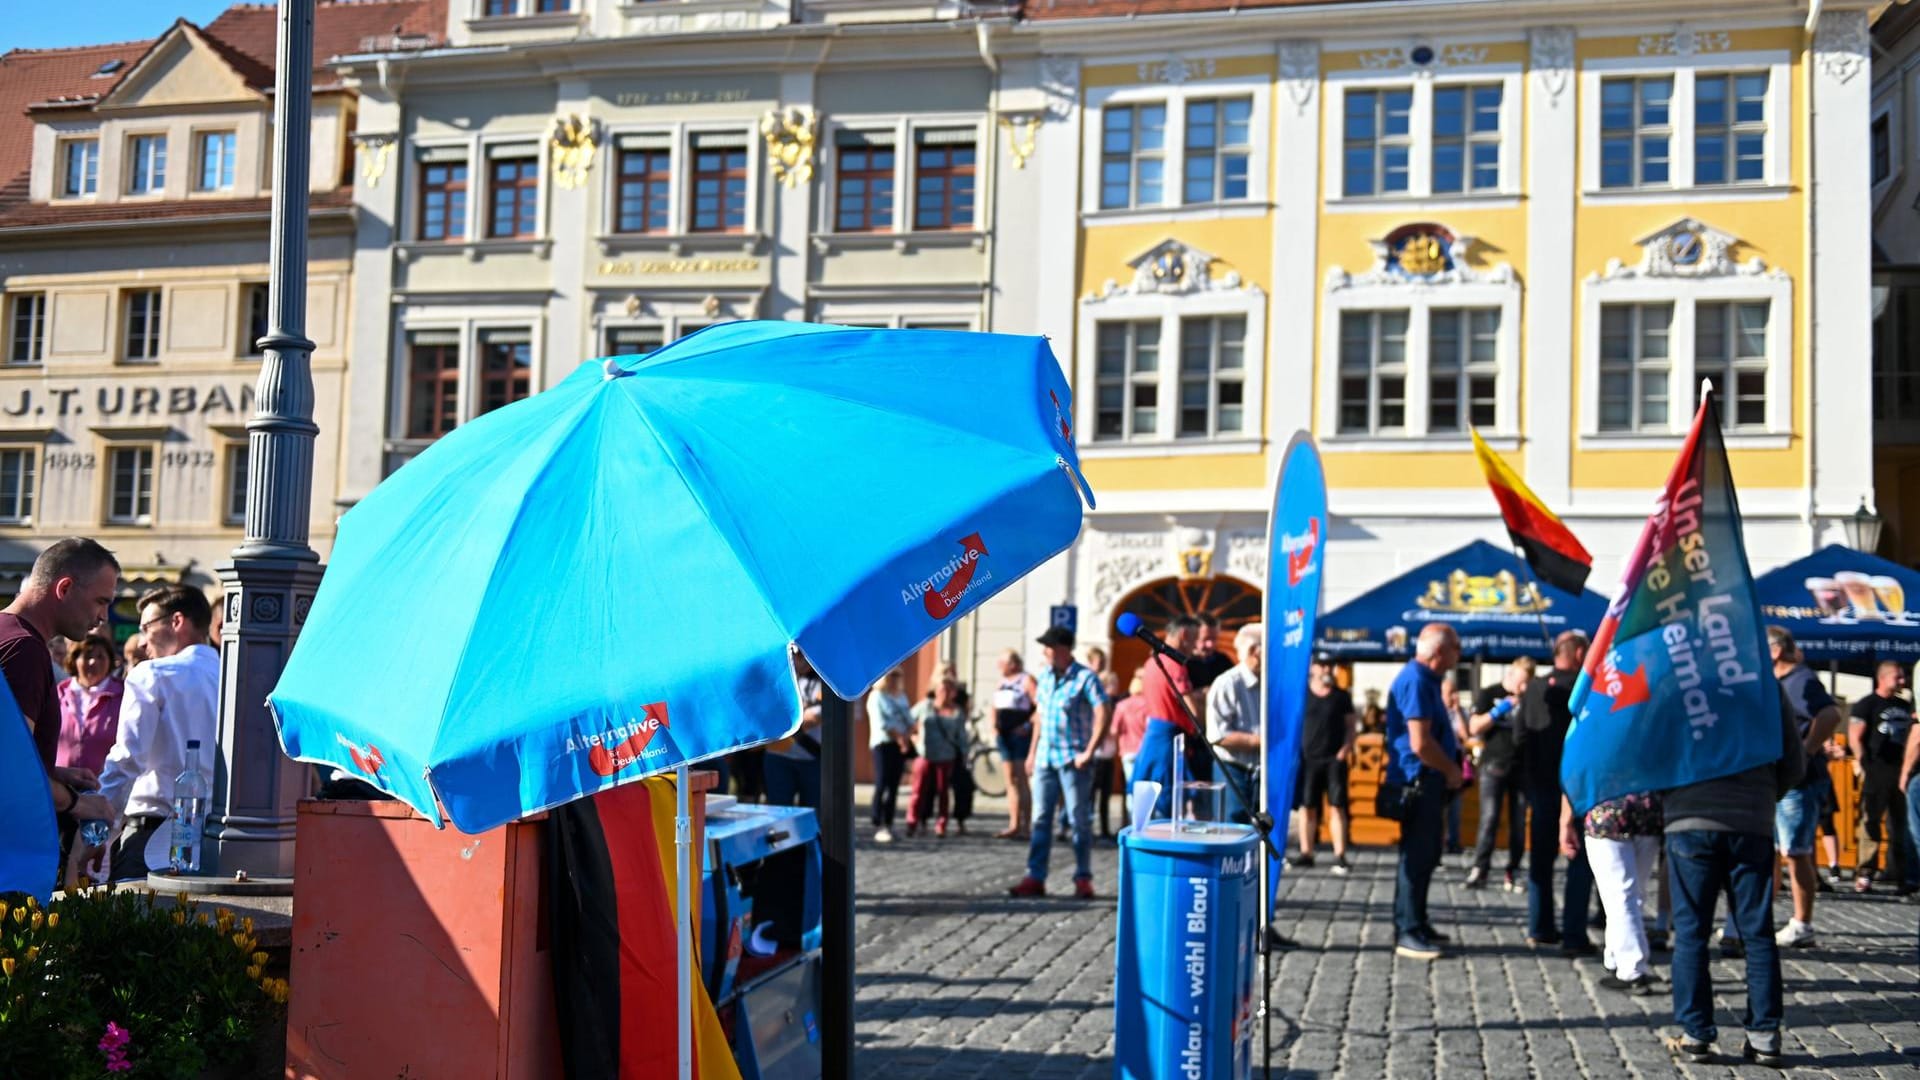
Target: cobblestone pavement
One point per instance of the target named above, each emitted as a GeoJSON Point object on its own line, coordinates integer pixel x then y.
{"type": "Point", "coordinates": [956, 979]}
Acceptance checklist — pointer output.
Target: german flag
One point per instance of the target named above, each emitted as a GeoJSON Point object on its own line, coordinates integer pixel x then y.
{"type": "Point", "coordinates": [1556, 557]}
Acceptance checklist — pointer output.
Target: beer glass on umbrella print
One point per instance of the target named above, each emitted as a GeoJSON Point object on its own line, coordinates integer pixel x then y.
{"type": "Point", "coordinates": [1858, 589]}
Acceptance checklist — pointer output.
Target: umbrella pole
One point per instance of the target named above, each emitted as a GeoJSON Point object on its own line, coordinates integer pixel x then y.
{"type": "Point", "coordinates": [836, 886]}
{"type": "Point", "coordinates": [683, 884]}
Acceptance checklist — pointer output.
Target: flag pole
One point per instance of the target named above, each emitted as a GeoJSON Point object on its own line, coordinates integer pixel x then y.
{"type": "Point", "coordinates": [1533, 603]}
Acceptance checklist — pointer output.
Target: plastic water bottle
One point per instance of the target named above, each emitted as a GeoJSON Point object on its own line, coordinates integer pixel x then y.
{"type": "Point", "coordinates": [94, 833]}
{"type": "Point", "coordinates": [191, 790]}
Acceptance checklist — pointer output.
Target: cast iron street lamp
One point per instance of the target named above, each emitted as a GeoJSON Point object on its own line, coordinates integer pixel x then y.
{"type": "Point", "coordinates": [274, 573]}
{"type": "Point", "coordinates": [1863, 528]}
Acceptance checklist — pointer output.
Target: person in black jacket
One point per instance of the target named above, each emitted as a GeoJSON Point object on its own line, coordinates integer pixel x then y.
{"type": "Point", "coordinates": [1497, 722]}
{"type": "Point", "coordinates": [1546, 715]}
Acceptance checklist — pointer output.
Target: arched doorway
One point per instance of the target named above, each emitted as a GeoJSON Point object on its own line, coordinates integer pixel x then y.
{"type": "Point", "coordinates": [1230, 600]}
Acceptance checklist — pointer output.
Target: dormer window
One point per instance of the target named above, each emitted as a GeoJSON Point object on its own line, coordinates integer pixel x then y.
{"type": "Point", "coordinates": [79, 168]}
{"type": "Point", "coordinates": [147, 169]}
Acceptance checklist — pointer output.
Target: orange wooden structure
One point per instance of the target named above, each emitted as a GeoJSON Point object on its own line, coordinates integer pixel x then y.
{"type": "Point", "coordinates": [423, 952]}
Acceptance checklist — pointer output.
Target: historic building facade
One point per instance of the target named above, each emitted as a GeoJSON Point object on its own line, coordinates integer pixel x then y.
{"type": "Point", "coordinates": [133, 268]}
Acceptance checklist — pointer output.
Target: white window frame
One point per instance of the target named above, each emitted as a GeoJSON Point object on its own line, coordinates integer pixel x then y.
{"type": "Point", "coordinates": [905, 132]}
{"type": "Point", "coordinates": [64, 146]}
{"type": "Point", "coordinates": [131, 164]}
{"type": "Point", "coordinates": [609, 329]}
{"type": "Point", "coordinates": [1510, 76]}
{"type": "Point", "coordinates": [1888, 108]}
{"type": "Point", "coordinates": [1420, 300]}
{"type": "Point", "coordinates": [1684, 71]}
{"type": "Point", "coordinates": [470, 330]}
{"type": "Point", "coordinates": [136, 520]}
{"type": "Point", "coordinates": [1249, 303]}
{"type": "Point", "coordinates": [9, 310]}
{"type": "Point", "coordinates": [199, 143]}
{"type": "Point", "coordinates": [1684, 293]}
{"type": "Point", "coordinates": [1173, 185]}
{"type": "Point", "coordinates": [524, 9]}
{"type": "Point", "coordinates": [156, 323]}
{"type": "Point", "coordinates": [231, 449]}
{"type": "Point", "coordinates": [680, 186]}
{"type": "Point", "coordinates": [1213, 382]}
{"type": "Point", "coordinates": [30, 482]}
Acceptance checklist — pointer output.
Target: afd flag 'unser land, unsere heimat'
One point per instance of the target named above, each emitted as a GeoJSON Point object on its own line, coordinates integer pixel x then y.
{"type": "Point", "coordinates": [1678, 685]}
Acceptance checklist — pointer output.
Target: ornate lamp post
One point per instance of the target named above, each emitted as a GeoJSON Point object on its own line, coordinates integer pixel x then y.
{"type": "Point", "coordinates": [274, 573]}
{"type": "Point", "coordinates": [1863, 528]}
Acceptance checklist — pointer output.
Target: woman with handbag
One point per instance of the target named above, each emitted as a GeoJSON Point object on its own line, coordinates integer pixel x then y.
{"type": "Point", "coordinates": [1013, 702]}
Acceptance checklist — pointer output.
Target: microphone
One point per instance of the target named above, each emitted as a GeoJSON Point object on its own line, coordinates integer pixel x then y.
{"type": "Point", "coordinates": [1130, 625]}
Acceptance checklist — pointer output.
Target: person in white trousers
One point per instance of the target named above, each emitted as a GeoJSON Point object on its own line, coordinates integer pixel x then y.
{"type": "Point", "coordinates": [1622, 839]}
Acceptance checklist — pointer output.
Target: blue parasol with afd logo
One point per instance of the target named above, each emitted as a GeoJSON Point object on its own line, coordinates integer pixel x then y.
{"type": "Point", "coordinates": [606, 580]}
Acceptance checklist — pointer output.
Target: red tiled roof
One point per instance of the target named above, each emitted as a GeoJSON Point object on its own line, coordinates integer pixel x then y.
{"type": "Point", "coordinates": [16, 212]}
{"type": "Point", "coordinates": [340, 27]}
{"type": "Point", "coordinates": [33, 76]}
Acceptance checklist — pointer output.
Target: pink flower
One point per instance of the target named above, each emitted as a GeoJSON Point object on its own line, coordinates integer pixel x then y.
{"type": "Point", "coordinates": [114, 1045]}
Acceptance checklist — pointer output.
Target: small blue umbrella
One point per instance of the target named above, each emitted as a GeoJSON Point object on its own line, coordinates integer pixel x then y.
{"type": "Point", "coordinates": [605, 581]}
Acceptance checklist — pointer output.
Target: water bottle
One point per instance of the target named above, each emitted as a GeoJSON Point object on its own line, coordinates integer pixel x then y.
{"type": "Point", "coordinates": [191, 790]}
{"type": "Point", "coordinates": [1500, 709]}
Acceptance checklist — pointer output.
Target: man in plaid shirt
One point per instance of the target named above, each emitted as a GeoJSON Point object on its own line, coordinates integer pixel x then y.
{"type": "Point", "coordinates": [1071, 718]}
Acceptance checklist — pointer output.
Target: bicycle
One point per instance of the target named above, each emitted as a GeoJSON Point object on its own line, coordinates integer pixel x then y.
{"type": "Point", "coordinates": [983, 761]}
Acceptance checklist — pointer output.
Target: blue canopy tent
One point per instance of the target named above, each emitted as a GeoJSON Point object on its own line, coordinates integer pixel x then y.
{"type": "Point", "coordinates": [1487, 594]}
{"type": "Point", "coordinates": [1845, 607]}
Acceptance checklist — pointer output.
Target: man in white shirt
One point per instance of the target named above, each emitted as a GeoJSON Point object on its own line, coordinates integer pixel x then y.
{"type": "Point", "coordinates": [1233, 709]}
{"type": "Point", "coordinates": [169, 700]}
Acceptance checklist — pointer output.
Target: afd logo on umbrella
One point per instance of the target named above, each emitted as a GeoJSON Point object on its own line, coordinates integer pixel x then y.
{"type": "Point", "coordinates": [941, 591]}
{"type": "Point", "coordinates": [369, 760]}
{"type": "Point", "coordinates": [619, 747]}
{"type": "Point", "coordinates": [1300, 551]}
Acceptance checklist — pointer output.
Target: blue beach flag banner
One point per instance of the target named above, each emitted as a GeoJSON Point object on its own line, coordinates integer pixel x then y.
{"type": "Point", "coordinates": [29, 838]}
{"type": "Point", "coordinates": [1678, 685]}
{"type": "Point", "coordinates": [1296, 556]}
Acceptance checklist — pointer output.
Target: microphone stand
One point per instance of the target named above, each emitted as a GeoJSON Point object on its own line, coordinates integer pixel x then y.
{"type": "Point", "coordinates": [1263, 828]}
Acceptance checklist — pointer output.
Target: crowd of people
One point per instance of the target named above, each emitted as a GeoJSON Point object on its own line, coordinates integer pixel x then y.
{"type": "Point", "coordinates": [114, 725]}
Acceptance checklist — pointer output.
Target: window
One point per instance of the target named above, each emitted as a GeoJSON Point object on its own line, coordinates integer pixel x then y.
{"type": "Point", "coordinates": [1730, 348]}
{"type": "Point", "coordinates": [443, 200]}
{"type": "Point", "coordinates": [514, 187]}
{"type": "Point", "coordinates": [259, 318]}
{"type": "Point", "coordinates": [943, 180]}
{"type": "Point", "coordinates": [1635, 361]}
{"type": "Point", "coordinates": [645, 184]}
{"type": "Point", "coordinates": [506, 368]}
{"type": "Point", "coordinates": [1127, 374]}
{"type": "Point", "coordinates": [1379, 141]}
{"type": "Point", "coordinates": [500, 7]}
{"type": "Point", "coordinates": [433, 383]}
{"type": "Point", "coordinates": [1219, 144]}
{"type": "Point", "coordinates": [1466, 138]}
{"type": "Point", "coordinates": [552, 7]}
{"type": "Point", "coordinates": [719, 182]}
{"type": "Point", "coordinates": [143, 324]}
{"type": "Point", "coordinates": [1463, 369]}
{"type": "Point", "coordinates": [1882, 148]}
{"type": "Point", "coordinates": [1133, 156]}
{"type": "Point", "coordinates": [1730, 129]}
{"type": "Point", "coordinates": [27, 329]}
{"type": "Point", "coordinates": [80, 167]}
{"type": "Point", "coordinates": [1636, 132]}
{"type": "Point", "coordinates": [16, 486]}
{"type": "Point", "coordinates": [1373, 372]}
{"type": "Point", "coordinates": [863, 182]}
{"type": "Point", "coordinates": [147, 172]}
{"type": "Point", "coordinates": [130, 485]}
{"type": "Point", "coordinates": [1213, 376]}
{"type": "Point", "coordinates": [634, 340]}
{"type": "Point", "coordinates": [236, 509]}
{"type": "Point", "coordinates": [216, 161]}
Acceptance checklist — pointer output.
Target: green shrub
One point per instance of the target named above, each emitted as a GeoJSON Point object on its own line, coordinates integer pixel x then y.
{"type": "Point", "coordinates": [187, 988]}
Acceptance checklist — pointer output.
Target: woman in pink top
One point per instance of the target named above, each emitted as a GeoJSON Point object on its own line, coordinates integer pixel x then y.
{"type": "Point", "coordinates": [1130, 725]}
{"type": "Point", "coordinates": [89, 704]}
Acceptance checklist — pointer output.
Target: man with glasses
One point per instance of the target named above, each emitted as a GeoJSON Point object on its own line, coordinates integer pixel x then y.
{"type": "Point", "coordinates": [169, 700]}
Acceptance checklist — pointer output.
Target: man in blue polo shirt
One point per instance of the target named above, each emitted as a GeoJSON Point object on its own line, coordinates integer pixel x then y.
{"type": "Point", "coordinates": [1422, 754]}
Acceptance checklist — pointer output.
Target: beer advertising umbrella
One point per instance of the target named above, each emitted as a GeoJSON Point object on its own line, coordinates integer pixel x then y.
{"type": "Point", "coordinates": [1846, 607]}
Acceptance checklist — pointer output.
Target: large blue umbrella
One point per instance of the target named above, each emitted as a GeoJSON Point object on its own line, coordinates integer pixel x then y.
{"type": "Point", "coordinates": [1845, 606]}
{"type": "Point", "coordinates": [1488, 596]}
{"type": "Point", "coordinates": [604, 581]}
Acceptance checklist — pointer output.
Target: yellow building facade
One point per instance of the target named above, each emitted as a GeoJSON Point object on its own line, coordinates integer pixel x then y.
{"type": "Point", "coordinates": [1546, 223]}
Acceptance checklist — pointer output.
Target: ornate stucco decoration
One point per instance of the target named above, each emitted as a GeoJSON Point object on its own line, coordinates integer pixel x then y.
{"type": "Point", "coordinates": [789, 135]}
{"type": "Point", "coordinates": [1247, 555]}
{"type": "Point", "coordinates": [376, 151]}
{"type": "Point", "coordinates": [1552, 60]}
{"type": "Point", "coordinates": [1175, 70]}
{"type": "Point", "coordinates": [1060, 82]}
{"type": "Point", "coordinates": [1685, 41]}
{"type": "Point", "coordinates": [1840, 44]}
{"type": "Point", "coordinates": [633, 305]}
{"type": "Point", "coordinates": [1022, 136]}
{"type": "Point", "coordinates": [1420, 58]}
{"type": "Point", "coordinates": [1420, 255]}
{"type": "Point", "coordinates": [1171, 267]}
{"type": "Point", "coordinates": [570, 146]}
{"type": "Point", "coordinates": [1688, 248]}
{"type": "Point", "coordinates": [1300, 71]}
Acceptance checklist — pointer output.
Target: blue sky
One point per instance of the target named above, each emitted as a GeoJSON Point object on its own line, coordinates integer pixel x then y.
{"type": "Point", "coordinates": [52, 24]}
